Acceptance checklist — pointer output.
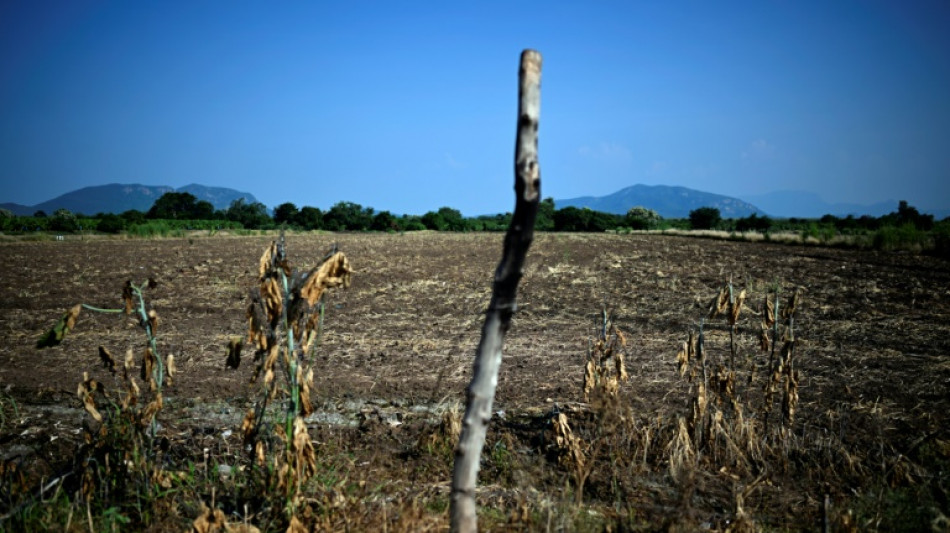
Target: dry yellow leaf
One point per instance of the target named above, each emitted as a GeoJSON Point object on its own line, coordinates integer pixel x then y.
{"type": "Point", "coordinates": [736, 307]}
{"type": "Point", "coordinates": [152, 320]}
{"type": "Point", "coordinates": [296, 526]}
{"type": "Point", "coordinates": [170, 369]}
{"type": "Point", "coordinates": [334, 272]}
{"type": "Point", "coordinates": [72, 315]}
{"type": "Point", "coordinates": [210, 521]}
{"type": "Point", "coordinates": [720, 303]}
{"type": "Point", "coordinates": [267, 260]}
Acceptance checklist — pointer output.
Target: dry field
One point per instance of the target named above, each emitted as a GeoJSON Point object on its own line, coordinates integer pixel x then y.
{"type": "Point", "coordinates": [868, 448]}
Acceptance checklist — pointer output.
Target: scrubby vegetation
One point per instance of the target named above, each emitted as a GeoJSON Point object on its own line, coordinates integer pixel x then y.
{"type": "Point", "coordinates": [177, 214]}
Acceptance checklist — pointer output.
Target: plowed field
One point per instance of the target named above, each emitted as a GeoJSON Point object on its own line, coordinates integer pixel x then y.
{"type": "Point", "coordinates": [871, 431]}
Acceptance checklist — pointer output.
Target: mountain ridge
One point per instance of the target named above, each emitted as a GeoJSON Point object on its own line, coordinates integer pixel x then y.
{"type": "Point", "coordinates": [667, 200]}
{"type": "Point", "coordinates": [802, 204]}
{"type": "Point", "coordinates": [120, 197]}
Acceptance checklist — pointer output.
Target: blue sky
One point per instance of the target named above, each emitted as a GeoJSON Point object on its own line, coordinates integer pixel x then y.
{"type": "Point", "coordinates": [409, 106]}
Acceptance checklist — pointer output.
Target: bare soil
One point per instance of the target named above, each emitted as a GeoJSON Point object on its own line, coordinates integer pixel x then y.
{"type": "Point", "coordinates": [874, 357]}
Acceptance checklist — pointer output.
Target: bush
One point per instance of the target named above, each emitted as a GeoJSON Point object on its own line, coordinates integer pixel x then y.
{"type": "Point", "coordinates": [152, 228]}
{"type": "Point", "coordinates": [63, 220]}
{"type": "Point", "coordinates": [252, 216]}
{"type": "Point", "coordinates": [410, 223]}
{"type": "Point", "coordinates": [642, 218]}
{"type": "Point", "coordinates": [754, 222]}
{"type": "Point", "coordinates": [941, 236]}
{"type": "Point", "coordinates": [905, 237]}
{"type": "Point", "coordinates": [704, 218]}
{"type": "Point", "coordinates": [110, 223]}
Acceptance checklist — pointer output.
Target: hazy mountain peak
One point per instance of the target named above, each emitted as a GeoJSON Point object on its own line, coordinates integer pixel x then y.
{"type": "Point", "coordinates": [120, 197]}
{"type": "Point", "coordinates": [669, 201]}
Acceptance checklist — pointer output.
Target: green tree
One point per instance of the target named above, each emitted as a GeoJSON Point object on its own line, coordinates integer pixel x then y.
{"type": "Point", "coordinates": [348, 216]}
{"type": "Point", "coordinates": [251, 216]}
{"type": "Point", "coordinates": [309, 218]}
{"type": "Point", "coordinates": [600, 221]}
{"type": "Point", "coordinates": [286, 213]}
{"type": "Point", "coordinates": [204, 210]}
{"type": "Point", "coordinates": [132, 216]}
{"type": "Point", "coordinates": [411, 223]}
{"type": "Point", "coordinates": [434, 221]}
{"type": "Point", "coordinates": [704, 218]}
{"type": "Point", "coordinates": [642, 218]}
{"type": "Point", "coordinates": [754, 222]}
{"type": "Point", "coordinates": [572, 219]}
{"type": "Point", "coordinates": [545, 218]}
{"type": "Point", "coordinates": [174, 205]}
{"type": "Point", "coordinates": [63, 220]}
{"type": "Point", "coordinates": [453, 219]}
{"type": "Point", "coordinates": [384, 221]}
{"type": "Point", "coordinates": [39, 214]}
{"type": "Point", "coordinates": [907, 214]}
{"type": "Point", "coordinates": [110, 223]}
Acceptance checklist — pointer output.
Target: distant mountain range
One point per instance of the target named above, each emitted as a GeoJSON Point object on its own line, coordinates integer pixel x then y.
{"type": "Point", "coordinates": [118, 198]}
{"type": "Point", "coordinates": [677, 202]}
{"type": "Point", "coordinates": [802, 204]}
{"type": "Point", "coordinates": [669, 202]}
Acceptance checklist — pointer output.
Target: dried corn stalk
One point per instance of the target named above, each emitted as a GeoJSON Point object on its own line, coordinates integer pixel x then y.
{"type": "Point", "coordinates": [605, 369]}
{"type": "Point", "coordinates": [283, 317]}
{"type": "Point", "coordinates": [682, 456]}
{"type": "Point", "coordinates": [569, 446]}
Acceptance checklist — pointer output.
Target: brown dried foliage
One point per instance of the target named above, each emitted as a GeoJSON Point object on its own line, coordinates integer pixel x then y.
{"type": "Point", "coordinates": [127, 297]}
{"type": "Point", "coordinates": [605, 369]}
{"type": "Point", "coordinates": [148, 367]}
{"type": "Point", "coordinates": [334, 272]}
{"type": "Point", "coordinates": [107, 359]}
{"type": "Point", "coordinates": [569, 446]}
{"type": "Point", "coordinates": [234, 352]}
{"type": "Point", "coordinates": [86, 392]}
{"type": "Point", "coordinates": [210, 521]}
{"type": "Point", "coordinates": [720, 303]}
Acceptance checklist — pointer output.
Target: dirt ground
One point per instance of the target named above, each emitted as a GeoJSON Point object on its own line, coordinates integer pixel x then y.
{"type": "Point", "coordinates": [874, 358]}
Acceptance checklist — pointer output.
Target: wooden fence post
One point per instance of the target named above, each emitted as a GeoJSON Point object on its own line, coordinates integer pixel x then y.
{"type": "Point", "coordinates": [481, 391]}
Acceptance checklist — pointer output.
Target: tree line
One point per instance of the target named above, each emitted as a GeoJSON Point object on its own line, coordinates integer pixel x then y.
{"type": "Point", "coordinates": [182, 210]}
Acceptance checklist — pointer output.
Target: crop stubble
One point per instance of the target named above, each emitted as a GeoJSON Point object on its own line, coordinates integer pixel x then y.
{"type": "Point", "coordinates": [874, 357]}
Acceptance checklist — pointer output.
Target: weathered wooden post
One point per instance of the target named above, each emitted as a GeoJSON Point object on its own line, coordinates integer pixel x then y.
{"type": "Point", "coordinates": [481, 391]}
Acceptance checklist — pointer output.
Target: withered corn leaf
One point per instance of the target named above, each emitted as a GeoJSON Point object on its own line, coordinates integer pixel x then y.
{"type": "Point", "coordinates": [234, 353]}
{"type": "Point", "coordinates": [108, 360]}
{"type": "Point", "coordinates": [55, 336]}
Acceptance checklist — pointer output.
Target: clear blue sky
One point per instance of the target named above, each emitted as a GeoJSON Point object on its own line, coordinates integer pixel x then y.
{"type": "Point", "coordinates": [410, 106]}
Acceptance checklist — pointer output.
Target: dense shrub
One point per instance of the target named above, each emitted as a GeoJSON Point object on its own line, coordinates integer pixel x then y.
{"type": "Point", "coordinates": [941, 237]}
{"type": "Point", "coordinates": [704, 218]}
{"type": "Point", "coordinates": [109, 223]}
{"type": "Point", "coordinates": [754, 222]}
{"type": "Point", "coordinates": [905, 237]}
{"type": "Point", "coordinates": [641, 218]}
